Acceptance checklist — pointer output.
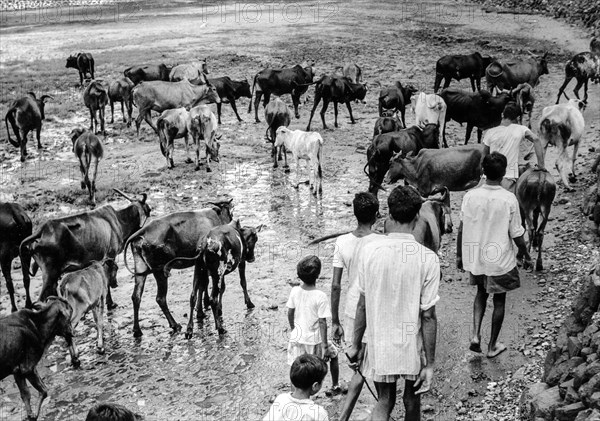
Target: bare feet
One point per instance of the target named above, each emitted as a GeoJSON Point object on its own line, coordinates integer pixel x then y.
{"type": "Point", "coordinates": [497, 350]}
{"type": "Point", "coordinates": [475, 346]}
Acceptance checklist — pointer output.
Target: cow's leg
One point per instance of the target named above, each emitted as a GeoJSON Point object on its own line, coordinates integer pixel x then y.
{"type": "Point", "coordinates": [479, 135]}
{"type": "Point", "coordinates": [23, 145]}
{"type": "Point", "coordinates": [468, 134]}
{"type": "Point", "coordinates": [283, 151]}
{"type": "Point", "coordinates": [296, 102]}
{"type": "Point", "coordinates": [148, 118]}
{"type": "Point", "coordinates": [323, 111]}
{"type": "Point", "coordinates": [193, 297]}
{"type": "Point", "coordinates": [219, 112]}
{"type": "Point", "coordinates": [402, 115]}
{"type": "Point", "coordinates": [81, 78]}
{"type": "Point", "coordinates": [256, 103]}
{"type": "Point", "coordinates": [138, 291]}
{"type": "Point", "coordinates": [219, 320]}
{"type": "Point", "coordinates": [21, 381]}
{"type": "Point", "coordinates": [39, 385]}
{"type": "Point", "coordinates": [561, 91]}
{"type": "Point", "coordinates": [92, 118]}
{"type": "Point", "coordinates": [38, 130]}
{"type": "Point", "coordinates": [242, 270]}
{"type": "Point", "coordinates": [101, 115]}
{"type": "Point", "coordinates": [129, 106]}
{"type": "Point", "coordinates": [312, 112]}
{"type": "Point", "coordinates": [6, 263]}
{"type": "Point", "coordinates": [188, 159]}
{"type": "Point", "coordinates": [25, 265]}
{"type": "Point", "coordinates": [572, 176]}
{"type": "Point", "coordinates": [74, 352]}
{"type": "Point", "coordinates": [214, 298]}
{"type": "Point", "coordinates": [98, 313]}
{"type": "Point", "coordinates": [472, 83]}
{"type": "Point", "coordinates": [335, 114]}
{"type": "Point", "coordinates": [444, 135]}
{"type": "Point", "coordinates": [447, 80]}
{"type": "Point", "coordinates": [350, 111]}
{"type": "Point", "coordinates": [110, 304]}
{"type": "Point", "coordinates": [138, 121]}
{"type": "Point", "coordinates": [234, 108]}
{"type": "Point", "coordinates": [112, 111]}
{"type": "Point", "coordinates": [578, 87]}
{"type": "Point", "coordinates": [162, 287]}
{"type": "Point", "coordinates": [585, 93]}
{"type": "Point", "coordinates": [539, 265]}
{"type": "Point", "coordinates": [94, 175]}
{"type": "Point", "coordinates": [478, 81]}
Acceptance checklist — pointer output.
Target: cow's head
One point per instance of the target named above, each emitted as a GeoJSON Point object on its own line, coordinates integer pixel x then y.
{"type": "Point", "coordinates": [224, 208]}
{"type": "Point", "coordinates": [205, 66]}
{"type": "Point", "coordinates": [408, 92]}
{"type": "Point", "coordinates": [72, 62]}
{"type": "Point", "coordinates": [377, 165]}
{"type": "Point", "coordinates": [445, 216]}
{"type": "Point", "coordinates": [544, 64]}
{"type": "Point", "coordinates": [140, 204]}
{"type": "Point", "coordinates": [486, 61]}
{"type": "Point", "coordinates": [75, 133]}
{"type": "Point", "coordinates": [431, 136]}
{"type": "Point", "coordinates": [400, 163]}
{"type": "Point", "coordinates": [243, 89]}
{"type": "Point", "coordinates": [250, 237]}
{"type": "Point", "coordinates": [58, 314]}
{"type": "Point", "coordinates": [281, 135]}
{"type": "Point", "coordinates": [41, 103]}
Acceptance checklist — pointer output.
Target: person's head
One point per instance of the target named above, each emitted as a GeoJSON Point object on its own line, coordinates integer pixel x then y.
{"type": "Point", "coordinates": [309, 269]}
{"type": "Point", "coordinates": [111, 412]}
{"type": "Point", "coordinates": [404, 203]}
{"type": "Point", "coordinates": [307, 373]}
{"type": "Point", "coordinates": [365, 207]}
{"type": "Point", "coordinates": [511, 112]}
{"type": "Point", "coordinates": [494, 166]}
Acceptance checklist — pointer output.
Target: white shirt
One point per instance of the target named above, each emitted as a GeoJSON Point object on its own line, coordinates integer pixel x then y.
{"type": "Point", "coordinates": [311, 305]}
{"type": "Point", "coordinates": [399, 278]}
{"type": "Point", "coordinates": [287, 408]}
{"type": "Point", "coordinates": [491, 219]}
{"type": "Point", "coordinates": [345, 256]}
{"type": "Point", "coordinates": [507, 141]}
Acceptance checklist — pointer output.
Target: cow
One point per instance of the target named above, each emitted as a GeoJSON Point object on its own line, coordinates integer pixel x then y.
{"type": "Point", "coordinates": [89, 151]}
{"type": "Point", "coordinates": [535, 191]}
{"type": "Point", "coordinates": [307, 146]}
{"type": "Point", "coordinates": [15, 226]}
{"type": "Point", "coordinates": [277, 115]}
{"type": "Point", "coordinates": [230, 90]}
{"type": "Point", "coordinates": [510, 75]}
{"type": "Point", "coordinates": [387, 125]}
{"type": "Point", "coordinates": [583, 67]}
{"type": "Point", "coordinates": [336, 90]}
{"type": "Point", "coordinates": [429, 108]}
{"type": "Point", "coordinates": [76, 240]}
{"type": "Point", "coordinates": [203, 127]}
{"type": "Point", "coordinates": [173, 124]}
{"type": "Point", "coordinates": [459, 67]}
{"type": "Point", "coordinates": [525, 99]}
{"type": "Point", "coordinates": [84, 63]}
{"type": "Point", "coordinates": [119, 90]}
{"type": "Point", "coordinates": [163, 242]}
{"type": "Point", "coordinates": [195, 71]}
{"type": "Point", "coordinates": [24, 115]}
{"type": "Point", "coordinates": [148, 72]}
{"type": "Point", "coordinates": [26, 335]}
{"type": "Point", "coordinates": [95, 98]}
{"type": "Point", "coordinates": [160, 96]}
{"type": "Point", "coordinates": [385, 145]}
{"type": "Point", "coordinates": [352, 71]}
{"type": "Point", "coordinates": [395, 98]}
{"type": "Point", "coordinates": [294, 80]}
{"type": "Point", "coordinates": [221, 251]}
{"type": "Point", "coordinates": [477, 109]}
{"type": "Point", "coordinates": [85, 290]}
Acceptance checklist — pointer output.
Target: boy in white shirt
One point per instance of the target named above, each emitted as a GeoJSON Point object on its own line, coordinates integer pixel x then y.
{"type": "Point", "coordinates": [307, 374]}
{"type": "Point", "coordinates": [308, 310]}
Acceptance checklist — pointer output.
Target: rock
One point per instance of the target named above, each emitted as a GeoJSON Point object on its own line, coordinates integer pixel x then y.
{"type": "Point", "coordinates": [528, 396]}
{"type": "Point", "coordinates": [588, 389]}
{"type": "Point", "coordinates": [587, 334]}
{"type": "Point", "coordinates": [583, 415]}
{"type": "Point", "coordinates": [590, 371]}
{"type": "Point", "coordinates": [586, 351]}
{"type": "Point", "coordinates": [544, 404]}
{"type": "Point", "coordinates": [569, 412]}
{"type": "Point", "coordinates": [562, 388]}
{"type": "Point", "coordinates": [595, 400]}
{"type": "Point", "coordinates": [574, 346]}
{"type": "Point", "coordinates": [562, 369]}
{"type": "Point", "coordinates": [571, 396]}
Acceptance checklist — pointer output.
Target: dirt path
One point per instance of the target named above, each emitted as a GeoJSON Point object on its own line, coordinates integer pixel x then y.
{"type": "Point", "coordinates": [233, 377]}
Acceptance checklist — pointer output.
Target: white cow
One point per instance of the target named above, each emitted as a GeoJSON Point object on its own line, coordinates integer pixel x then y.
{"type": "Point", "coordinates": [304, 145]}
{"type": "Point", "coordinates": [562, 126]}
{"type": "Point", "coordinates": [204, 126]}
{"type": "Point", "coordinates": [429, 108]}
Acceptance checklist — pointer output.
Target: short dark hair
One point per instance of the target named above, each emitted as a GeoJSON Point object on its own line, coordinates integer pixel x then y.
{"type": "Point", "coordinates": [306, 370]}
{"type": "Point", "coordinates": [511, 111]}
{"type": "Point", "coordinates": [494, 166]}
{"type": "Point", "coordinates": [111, 412]}
{"type": "Point", "coordinates": [404, 203]}
{"type": "Point", "coordinates": [365, 206]}
{"type": "Point", "coordinates": [308, 269]}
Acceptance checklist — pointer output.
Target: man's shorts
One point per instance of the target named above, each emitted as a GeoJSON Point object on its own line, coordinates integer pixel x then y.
{"type": "Point", "coordinates": [497, 284]}
{"type": "Point", "coordinates": [296, 349]}
{"type": "Point", "coordinates": [369, 373]}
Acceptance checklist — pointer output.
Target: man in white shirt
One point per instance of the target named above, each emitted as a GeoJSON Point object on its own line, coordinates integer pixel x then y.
{"type": "Point", "coordinates": [489, 234]}
{"type": "Point", "coordinates": [398, 281]}
{"type": "Point", "coordinates": [506, 139]}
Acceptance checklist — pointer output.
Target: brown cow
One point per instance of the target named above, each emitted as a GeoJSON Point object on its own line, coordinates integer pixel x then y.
{"type": "Point", "coordinates": [89, 151]}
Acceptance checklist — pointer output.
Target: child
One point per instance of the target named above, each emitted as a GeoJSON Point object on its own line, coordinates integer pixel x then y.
{"type": "Point", "coordinates": [111, 412]}
{"type": "Point", "coordinates": [308, 309]}
{"type": "Point", "coordinates": [307, 374]}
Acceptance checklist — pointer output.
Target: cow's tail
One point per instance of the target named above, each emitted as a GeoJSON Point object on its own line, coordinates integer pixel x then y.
{"type": "Point", "coordinates": [85, 159]}
{"type": "Point", "coordinates": [167, 266]}
{"type": "Point", "coordinates": [162, 135]}
{"type": "Point", "coordinates": [25, 252]}
{"type": "Point", "coordinates": [132, 237]}
{"type": "Point", "coordinates": [320, 157]}
{"type": "Point", "coordinates": [10, 117]}
{"type": "Point", "coordinates": [252, 93]}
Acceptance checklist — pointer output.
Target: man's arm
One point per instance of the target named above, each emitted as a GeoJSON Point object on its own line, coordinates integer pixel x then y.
{"type": "Point", "coordinates": [336, 289]}
{"type": "Point", "coordinates": [429, 330]}
{"type": "Point", "coordinates": [360, 324]}
{"type": "Point", "coordinates": [291, 312]}
{"type": "Point", "coordinates": [538, 148]}
{"type": "Point", "coordinates": [520, 242]}
{"type": "Point", "coordinates": [459, 256]}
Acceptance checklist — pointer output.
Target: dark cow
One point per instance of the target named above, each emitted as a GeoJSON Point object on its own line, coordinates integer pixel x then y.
{"type": "Point", "coordinates": [525, 99]}
{"type": "Point", "coordinates": [119, 90]}
{"type": "Point", "coordinates": [459, 67]}
{"type": "Point", "coordinates": [95, 98]}
{"type": "Point", "coordinates": [26, 335]}
{"type": "Point", "coordinates": [84, 63]}
{"type": "Point", "coordinates": [385, 145]}
{"type": "Point", "coordinates": [163, 242]}
{"type": "Point", "coordinates": [89, 151]}
{"type": "Point", "coordinates": [230, 90]}
{"type": "Point", "coordinates": [294, 81]}
{"type": "Point", "coordinates": [337, 90]}
{"type": "Point", "coordinates": [582, 67]}
{"type": "Point", "coordinates": [477, 109]}
{"type": "Point", "coordinates": [15, 226]}
{"type": "Point", "coordinates": [277, 115]}
{"type": "Point", "coordinates": [395, 98]}
{"type": "Point", "coordinates": [73, 242]}
{"type": "Point", "coordinates": [148, 72]}
{"type": "Point", "coordinates": [24, 115]}
{"type": "Point", "coordinates": [387, 125]}
{"type": "Point", "coordinates": [535, 191]}
{"type": "Point", "coordinates": [510, 75]}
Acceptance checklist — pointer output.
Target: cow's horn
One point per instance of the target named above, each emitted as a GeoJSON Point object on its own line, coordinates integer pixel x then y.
{"type": "Point", "coordinates": [46, 97]}
{"type": "Point", "coordinates": [32, 94]}
{"type": "Point", "coordinates": [123, 194]}
{"type": "Point", "coordinates": [144, 197]}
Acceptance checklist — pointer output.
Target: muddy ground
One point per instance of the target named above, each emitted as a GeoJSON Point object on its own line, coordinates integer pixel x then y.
{"type": "Point", "coordinates": [235, 376]}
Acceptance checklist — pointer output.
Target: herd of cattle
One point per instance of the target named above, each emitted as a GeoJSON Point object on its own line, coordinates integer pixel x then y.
{"type": "Point", "coordinates": [82, 248]}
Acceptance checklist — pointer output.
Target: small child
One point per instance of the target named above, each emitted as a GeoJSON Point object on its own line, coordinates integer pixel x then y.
{"type": "Point", "coordinates": [307, 374]}
{"type": "Point", "coordinates": [308, 310]}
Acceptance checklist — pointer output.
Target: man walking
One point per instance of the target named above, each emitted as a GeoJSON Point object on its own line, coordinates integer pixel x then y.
{"type": "Point", "coordinates": [490, 228]}
{"type": "Point", "coordinates": [398, 282]}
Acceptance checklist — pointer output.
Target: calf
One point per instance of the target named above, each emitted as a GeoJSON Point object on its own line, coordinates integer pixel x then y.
{"type": "Point", "coordinates": [387, 125]}
{"type": "Point", "coordinates": [89, 151]}
{"type": "Point", "coordinates": [230, 90]}
{"type": "Point", "coordinates": [395, 98]}
{"type": "Point", "coordinates": [173, 124]}
{"type": "Point", "coordinates": [525, 99]}
{"type": "Point", "coordinates": [95, 98]}
{"type": "Point", "coordinates": [24, 115]}
{"type": "Point", "coordinates": [583, 67]}
{"type": "Point", "coordinates": [224, 249]}
{"type": "Point", "coordinates": [15, 226]}
{"type": "Point", "coordinates": [562, 126]}
{"type": "Point", "coordinates": [203, 127]}
{"type": "Point", "coordinates": [84, 63]}
{"type": "Point", "coordinates": [429, 108]}
{"type": "Point", "coordinates": [25, 337]}
{"type": "Point", "coordinates": [277, 115]}
{"type": "Point", "coordinates": [459, 67]}
{"type": "Point", "coordinates": [304, 145]}
{"type": "Point", "coordinates": [535, 191]}
{"type": "Point", "coordinates": [86, 290]}
{"type": "Point", "coordinates": [119, 90]}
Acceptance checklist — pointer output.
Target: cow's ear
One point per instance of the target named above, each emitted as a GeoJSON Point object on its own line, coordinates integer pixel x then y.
{"type": "Point", "coordinates": [410, 154]}
{"type": "Point", "coordinates": [259, 228]}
